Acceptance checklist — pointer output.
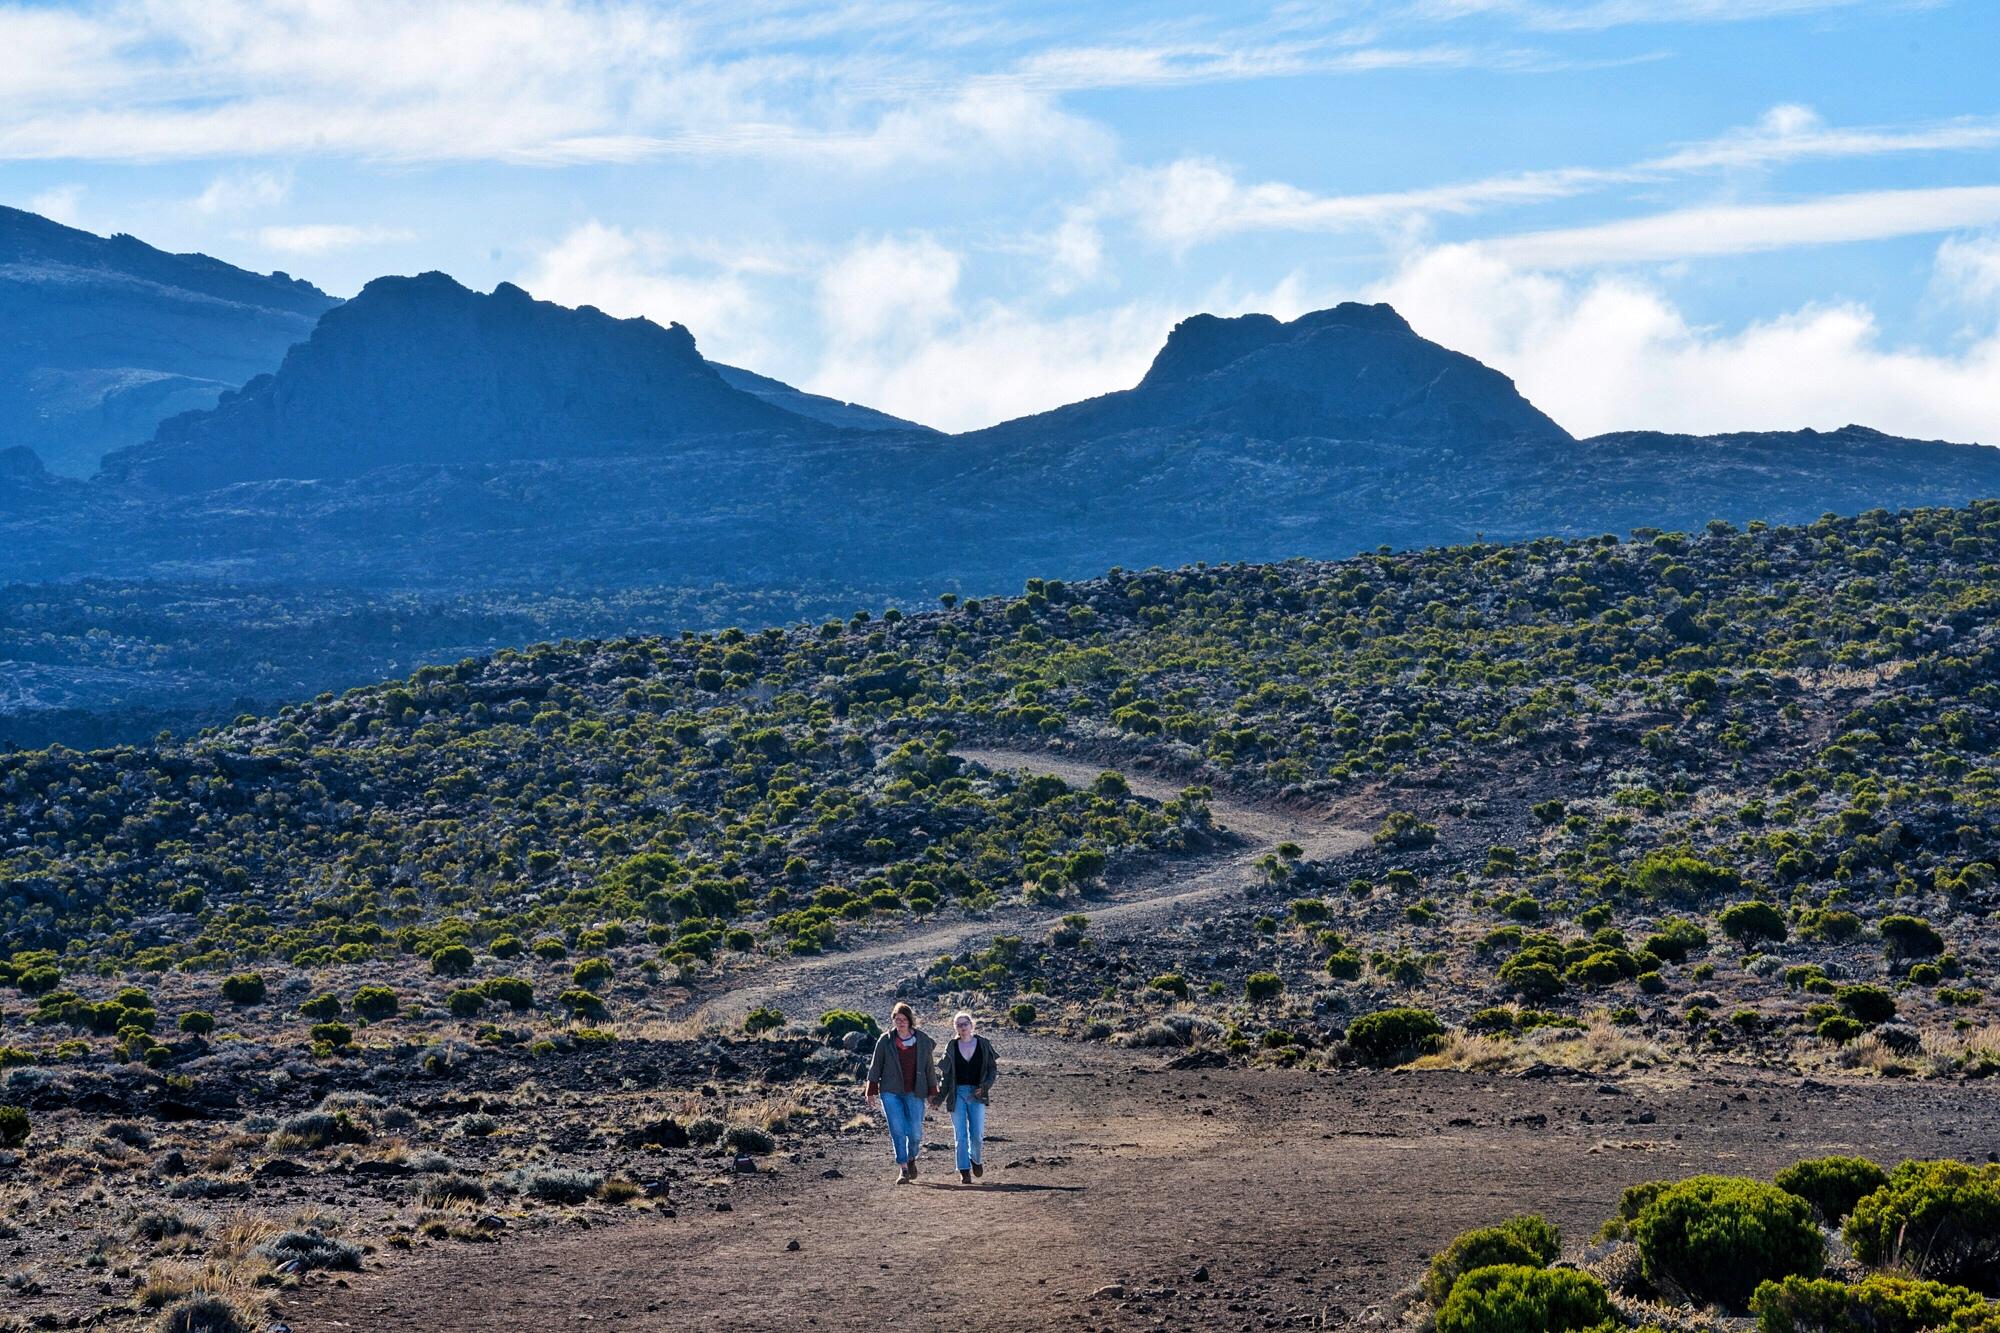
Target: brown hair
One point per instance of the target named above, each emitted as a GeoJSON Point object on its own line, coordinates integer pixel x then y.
{"type": "Point", "coordinates": [903, 1008]}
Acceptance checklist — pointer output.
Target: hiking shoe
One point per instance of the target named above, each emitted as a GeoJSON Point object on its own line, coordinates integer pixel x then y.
{"type": "Point", "coordinates": [965, 1177]}
{"type": "Point", "coordinates": [979, 1168]}
{"type": "Point", "coordinates": [903, 1174]}
{"type": "Point", "coordinates": [911, 1167]}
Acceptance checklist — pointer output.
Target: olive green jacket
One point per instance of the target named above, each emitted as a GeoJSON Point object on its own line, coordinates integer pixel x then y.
{"type": "Point", "coordinates": [984, 1064]}
{"type": "Point", "coordinates": [885, 1071]}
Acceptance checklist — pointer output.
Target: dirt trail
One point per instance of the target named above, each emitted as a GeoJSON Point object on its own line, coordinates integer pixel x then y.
{"type": "Point", "coordinates": [1210, 1199]}
{"type": "Point", "coordinates": [864, 976]}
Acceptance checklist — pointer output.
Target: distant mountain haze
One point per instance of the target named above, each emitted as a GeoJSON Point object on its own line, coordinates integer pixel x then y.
{"type": "Point", "coordinates": [105, 337]}
{"type": "Point", "coordinates": [427, 435]}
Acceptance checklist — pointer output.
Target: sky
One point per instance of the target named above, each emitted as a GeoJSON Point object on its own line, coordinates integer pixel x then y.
{"type": "Point", "coordinates": [1693, 215]}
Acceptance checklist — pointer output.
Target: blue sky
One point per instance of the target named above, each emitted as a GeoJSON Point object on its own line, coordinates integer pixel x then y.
{"type": "Point", "coordinates": [1686, 214]}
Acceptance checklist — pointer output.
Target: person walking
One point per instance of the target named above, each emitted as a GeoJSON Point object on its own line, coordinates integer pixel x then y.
{"type": "Point", "coordinates": [904, 1075]}
{"type": "Point", "coordinates": [965, 1078]}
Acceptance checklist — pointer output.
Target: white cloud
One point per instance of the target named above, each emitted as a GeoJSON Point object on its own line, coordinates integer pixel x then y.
{"type": "Point", "coordinates": [236, 192]}
{"type": "Point", "coordinates": [1737, 229]}
{"type": "Point", "coordinates": [1610, 352]}
{"type": "Point", "coordinates": [635, 273]}
{"type": "Point", "coordinates": [537, 82]}
{"type": "Point", "coordinates": [61, 203]}
{"type": "Point", "coordinates": [1968, 274]}
{"type": "Point", "coordinates": [319, 238]}
{"type": "Point", "coordinates": [889, 287]}
{"type": "Point", "coordinates": [1196, 200]}
{"type": "Point", "coordinates": [1557, 15]}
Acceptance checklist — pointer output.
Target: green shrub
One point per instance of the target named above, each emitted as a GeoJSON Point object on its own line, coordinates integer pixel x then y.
{"type": "Point", "coordinates": [1879, 1303]}
{"type": "Point", "coordinates": [582, 1004]}
{"type": "Point", "coordinates": [763, 1019]}
{"type": "Point", "coordinates": [591, 973]}
{"type": "Point", "coordinates": [1173, 983]}
{"type": "Point", "coordinates": [197, 1023]}
{"type": "Point", "coordinates": [454, 960]}
{"type": "Point", "coordinates": [1910, 937]}
{"type": "Point", "coordinates": [14, 1127]}
{"type": "Point", "coordinates": [375, 1003]}
{"type": "Point", "coordinates": [1405, 832]}
{"type": "Point", "coordinates": [1262, 987]}
{"type": "Point", "coordinates": [1866, 1004]}
{"type": "Point", "coordinates": [837, 1023]}
{"type": "Point", "coordinates": [1512, 1298]}
{"type": "Point", "coordinates": [1839, 1029]}
{"type": "Point", "coordinates": [465, 1002]}
{"type": "Point", "coordinates": [322, 1007]}
{"type": "Point", "coordinates": [1717, 1237]}
{"type": "Point", "coordinates": [1528, 1241]}
{"type": "Point", "coordinates": [337, 1036]}
{"type": "Point", "coordinates": [1394, 1036]}
{"type": "Point", "coordinates": [1832, 1185]}
{"type": "Point", "coordinates": [513, 992]}
{"type": "Point", "coordinates": [1940, 1219]}
{"type": "Point", "coordinates": [244, 988]}
{"type": "Point", "coordinates": [1630, 1204]}
{"type": "Point", "coordinates": [1022, 1014]}
{"type": "Point", "coordinates": [1752, 922]}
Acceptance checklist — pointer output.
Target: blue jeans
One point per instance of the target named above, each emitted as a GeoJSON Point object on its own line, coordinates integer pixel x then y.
{"type": "Point", "coordinates": [905, 1112]}
{"type": "Point", "coordinates": [968, 1127]}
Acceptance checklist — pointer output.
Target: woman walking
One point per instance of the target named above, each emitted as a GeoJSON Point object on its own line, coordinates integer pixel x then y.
{"type": "Point", "coordinates": [965, 1078]}
{"type": "Point", "coordinates": [904, 1075]}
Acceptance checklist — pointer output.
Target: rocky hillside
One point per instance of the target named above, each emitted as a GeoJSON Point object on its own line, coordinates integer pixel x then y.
{"type": "Point", "coordinates": [423, 371]}
{"type": "Point", "coordinates": [105, 337]}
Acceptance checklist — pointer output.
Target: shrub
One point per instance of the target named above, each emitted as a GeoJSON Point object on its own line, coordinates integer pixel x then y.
{"type": "Point", "coordinates": [375, 1003]}
{"type": "Point", "coordinates": [14, 1127]}
{"type": "Point", "coordinates": [1717, 1237]}
{"type": "Point", "coordinates": [1262, 987]}
{"type": "Point", "coordinates": [310, 1249]}
{"type": "Point", "coordinates": [1879, 1303]}
{"type": "Point", "coordinates": [1512, 1298]}
{"type": "Point", "coordinates": [321, 1007]}
{"type": "Point", "coordinates": [317, 1129]}
{"type": "Point", "coordinates": [451, 1190]}
{"type": "Point", "coordinates": [551, 1184]}
{"type": "Point", "coordinates": [204, 1313]}
{"type": "Point", "coordinates": [465, 1002]}
{"type": "Point", "coordinates": [1173, 983]}
{"type": "Point", "coordinates": [1527, 1241]}
{"type": "Point", "coordinates": [748, 1139]}
{"type": "Point", "coordinates": [244, 988]}
{"type": "Point", "coordinates": [1866, 1004]}
{"type": "Point", "coordinates": [1832, 1185]}
{"type": "Point", "coordinates": [197, 1023]}
{"type": "Point", "coordinates": [1910, 937]}
{"type": "Point", "coordinates": [1752, 922]}
{"type": "Point", "coordinates": [454, 960]}
{"type": "Point", "coordinates": [591, 973]}
{"type": "Point", "coordinates": [1022, 1014]}
{"type": "Point", "coordinates": [338, 1036]}
{"type": "Point", "coordinates": [762, 1019]}
{"type": "Point", "coordinates": [513, 992]}
{"type": "Point", "coordinates": [1840, 1029]}
{"type": "Point", "coordinates": [1393, 1036]}
{"type": "Point", "coordinates": [1405, 832]}
{"type": "Point", "coordinates": [1941, 1219]}
{"type": "Point", "coordinates": [1676, 938]}
{"type": "Point", "coordinates": [582, 1004]}
{"type": "Point", "coordinates": [704, 1130]}
{"type": "Point", "coordinates": [837, 1023]}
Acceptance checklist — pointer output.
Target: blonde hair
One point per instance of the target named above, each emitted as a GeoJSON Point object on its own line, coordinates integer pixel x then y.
{"type": "Point", "coordinates": [961, 1014]}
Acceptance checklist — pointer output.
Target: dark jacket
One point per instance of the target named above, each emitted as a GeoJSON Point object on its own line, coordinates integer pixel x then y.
{"type": "Point", "coordinates": [885, 1071]}
{"type": "Point", "coordinates": [984, 1065]}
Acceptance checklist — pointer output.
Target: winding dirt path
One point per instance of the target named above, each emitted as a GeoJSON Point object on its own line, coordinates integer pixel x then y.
{"type": "Point", "coordinates": [1124, 1195]}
